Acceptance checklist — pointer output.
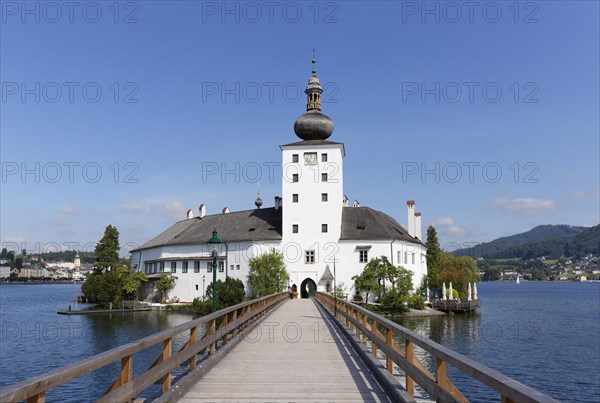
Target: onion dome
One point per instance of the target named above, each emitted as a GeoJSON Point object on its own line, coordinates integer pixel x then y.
{"type": "Point", "coordinates": [258, 202]}
{"type": "Point", "coordinates": [313, 125]}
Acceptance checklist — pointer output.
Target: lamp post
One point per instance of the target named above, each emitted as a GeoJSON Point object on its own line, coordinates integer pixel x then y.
{"type": "Point", "coordinates": [203, 287]}
{"type": "Point", "coordinates": [215, 240]}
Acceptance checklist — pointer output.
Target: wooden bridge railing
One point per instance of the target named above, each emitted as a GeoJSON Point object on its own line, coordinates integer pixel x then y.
{"type": "Point", "coordinates": [223, 327]}
{"type": "Point", "coordinates": [377, 332]}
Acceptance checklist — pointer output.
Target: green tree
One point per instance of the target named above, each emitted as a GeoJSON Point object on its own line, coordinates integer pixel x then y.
{"type": "Point", "coordinates": [434, 258]}
{"type": "Point", "coordinates": [395, 301]}
{"type": "Point", "coordinates": [165, 284]}
{"type": "Point", "coordinates": [262, 277]}
{"type": "Point", "coordinates": [4, 253]}
{"type": "Point", "coordinates": [461, 270]}
{"type": "Point", "coordinates": [366, 281]}
{"type": "Point", "coordinates": [132, 283]}
{"type": "Point", "coordinates": [229, 292]}
{"type": "Point", "coordinates": [107, 250]}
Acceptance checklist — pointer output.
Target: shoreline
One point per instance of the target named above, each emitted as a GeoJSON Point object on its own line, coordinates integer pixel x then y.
{"type": "Point", "coordinates": [39, 282]}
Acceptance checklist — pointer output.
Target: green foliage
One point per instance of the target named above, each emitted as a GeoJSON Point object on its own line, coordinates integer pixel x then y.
{"type": "Point", "coordinates": [113, 286]}
{"type": "Point", "coordinates": [262, 277]}
{"type": "Point", "coordinates": [340, 290]}
{"type": "Point", "coordinates": [107, 250]}
{"type": "Point", "coordinates": [416, 301]}
{"type": "Point", "coordinates": [434, 257]}
{"type": "Point", "coordinates": [460, 270]}
{"type": "Point", "coordinates": [165, 284]}
{"type": "Point", "coordinates": [200, 307]}
{"type": "Point", "coordinates": [492, 274]}
{"type": "Point", "coordinates": [366, 282]}
{"type": "Point", "coordinates": [229, 292]}
{"type": "Point", "coordinates": [394, 303]}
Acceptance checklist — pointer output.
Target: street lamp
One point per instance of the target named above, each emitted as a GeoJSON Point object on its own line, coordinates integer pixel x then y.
{"type": "Point", "coordinates": [216, 242]}
{"type": "Point", "coordinates": [203, 287]}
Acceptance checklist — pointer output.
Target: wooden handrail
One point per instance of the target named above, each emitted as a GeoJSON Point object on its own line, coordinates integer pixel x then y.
{"type": "Point", "coordinates": [438, 386]}
{"type": "Point", "coordinates": [126, 388]}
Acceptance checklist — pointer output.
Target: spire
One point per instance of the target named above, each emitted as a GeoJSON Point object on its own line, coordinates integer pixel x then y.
{"type": "Point", "coordinates": [258, 202]}
{"type": "Point", "coordinates": [313, 90]}
{"type": "Point", "coordinates": [313, 125]}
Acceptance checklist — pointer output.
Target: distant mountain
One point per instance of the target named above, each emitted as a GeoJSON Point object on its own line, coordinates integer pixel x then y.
{"type": "Point", "coordinates": [543, 238]}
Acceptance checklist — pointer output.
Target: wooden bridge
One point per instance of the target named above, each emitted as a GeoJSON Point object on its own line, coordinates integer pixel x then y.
{"type": "Point", "coordinates": [276, 349]}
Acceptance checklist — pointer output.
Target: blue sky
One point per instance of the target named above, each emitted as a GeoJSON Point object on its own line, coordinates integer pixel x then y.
{"type": "Point", "coordinates": [487, 116]}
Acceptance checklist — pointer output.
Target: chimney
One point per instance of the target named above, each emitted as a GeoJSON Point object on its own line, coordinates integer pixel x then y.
{"type": "Point", "coordinates": [345, 201]}
{"type": "Point", "coordinates": [202, 210]}
{"type": "Point", "coordinates": [356, 204]}
{"type": "Point", "coordinates": [418, 225]}
{"type": "Point", "coordinates": [225, 210]}
{"type": "Point", "coordinates": [410, 204]}
{"type": "Point", "coordinates": [277, 202]}
{"type": "Point", "coordinates": [190, 214]}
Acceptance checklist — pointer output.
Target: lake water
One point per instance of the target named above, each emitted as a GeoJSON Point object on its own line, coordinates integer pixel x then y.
{"type": "Point", "coordinates": [544, 334]}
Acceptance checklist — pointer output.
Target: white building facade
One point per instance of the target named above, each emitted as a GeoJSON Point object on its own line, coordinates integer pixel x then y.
{"type": "Point", "coordinates": [318, 232]}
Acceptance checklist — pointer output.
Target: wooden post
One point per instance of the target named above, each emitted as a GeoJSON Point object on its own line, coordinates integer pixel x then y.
{"type": "Point", "coordinates": [507, 400]}
{"type": "Point", "coordinates": [222, 327]}
{"type": "Point", "coordinates": [374, 331]}
{"type": "Point", "coordinates": [356, 316]}
{"type": "Point", "coordinates": [166, 354]}
{"type": "Point", "coordinates": [364, 323]}
{"type": "Point", "coordinates": [193, 332]}
{"type": "Point", "coordinates": [410, 384]}
{"type": "Point", "coordinates": [389, 341]}
{"type": "Point", "coordinates": [126, 370]}
{"type": "Point", "coordinates": [233, 319]}
{"type": "Point", "coordinates": [39, 398]}
{"type": "Point", "coordinates": [211, 330]}
{"type": "Point", "coordinates": [440, 369]}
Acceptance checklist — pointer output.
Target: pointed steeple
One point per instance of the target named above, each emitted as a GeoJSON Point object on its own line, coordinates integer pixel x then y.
{"type": "Point", "coordinates": [313, 125]}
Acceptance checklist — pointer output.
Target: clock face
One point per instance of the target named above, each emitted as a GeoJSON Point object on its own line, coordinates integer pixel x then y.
{"type": "Point", "coordinates": [310, 158]}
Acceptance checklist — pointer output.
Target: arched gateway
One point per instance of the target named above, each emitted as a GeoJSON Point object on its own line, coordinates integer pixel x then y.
{"type": "Point", "coordinates": [308, 288]}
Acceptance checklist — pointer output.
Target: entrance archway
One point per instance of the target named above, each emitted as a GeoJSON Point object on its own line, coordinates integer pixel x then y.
{"type": "Point", "coordinates": [308, 288]}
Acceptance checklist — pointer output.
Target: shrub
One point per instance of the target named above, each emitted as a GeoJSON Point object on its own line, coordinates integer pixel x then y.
{"type": "Point", "coordinates": [416, 301]}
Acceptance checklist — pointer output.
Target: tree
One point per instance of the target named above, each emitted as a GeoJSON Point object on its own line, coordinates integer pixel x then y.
{"type": "Point", "coordinates": [461, 270]}
{"type": "Point", "coordinates": [113, 286]}
{"type": "Point", "coordinates": [229, 292]}
{"type": "Point", "coordinates": [262, 277]}
{"type": "Point", "coordinates": [133, 282]}
{"type": "Point", "coordinates": [107, 250]}
{"type": "Point", "coordinates": [395, 301]}
{"type": "Point", "coordinates": [4, 253]}
{"type": "Point", "coordinates": [165, 284]}
{"type": "Point", "coordinates": [366, 281]}
{"type": "Point", "coordinates": [434, 258]}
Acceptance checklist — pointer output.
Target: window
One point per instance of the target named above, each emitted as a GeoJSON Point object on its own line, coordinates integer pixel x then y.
{"type": "Point", "coordinates": [237, 266]}
{"type": "Point", "coordinates": [324, 157]}
{"type": "Point", "coordinates": [154, 267]}
{"type": "Point", "coordinates": [294, 228]}
{"type": "Point", "coordinates": [184, 267]}
{"type": "Point", "coordinates": [196, 287]}
{"type": "Point", "coordinates": [173, 267]}
{"type": "Point", "coordinates": [309, 256]}
{"type": "Point", "coordinates": [294, 157]}
{"type": "Point", "coordinates": [146, 268]}
{"type": "Point", "coordinates": [310, 158]}
{"type": "Point", "coordinates": [162, 267]}
{"type": "Point", "coordinates": [323, 197]}
{"type": "Point", "coordinates": [294, 177]}
{"type": "Point", "coordinates": [230, 267]}
{"type": "Point", "coordinates": [413, 258]}
{"type": "Point", "coordinates": [209, 267]}
{"type": "Point", "coordinates": [295, 198]}
{"type": "Point", "coordinates": [196, 266]}
{"type": "Point", "coordinates": [399, 256]}
{"type": "Point", "coordinates": [221, 266]}
{"type": "Point", "coordinates": [323, 227]}
{"type": "Point", "coordinates": [363, 256]}
{"type": "Point", "coordinates": [323, 177]}
{"type": "Point", "coordinates": [405, 257]}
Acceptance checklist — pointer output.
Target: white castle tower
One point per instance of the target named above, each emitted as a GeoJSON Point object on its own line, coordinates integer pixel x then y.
{"type": "Point", "coordinates": [312, 189]}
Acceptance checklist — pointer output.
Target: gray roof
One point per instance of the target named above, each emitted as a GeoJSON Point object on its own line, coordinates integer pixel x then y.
{"type": "Point", "coordinates": [248, 225]}
{"type": "Point", "coordinates": [358, 223]}
{"type": "Point", "coordinates": [364, 223]}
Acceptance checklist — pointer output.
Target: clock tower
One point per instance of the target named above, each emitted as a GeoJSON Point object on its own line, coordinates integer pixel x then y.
{"type": "Point", "coordinates": [312, 190]}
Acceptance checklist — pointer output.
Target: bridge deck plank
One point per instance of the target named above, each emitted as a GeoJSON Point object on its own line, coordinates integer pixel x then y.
{"type": "Point", "coordinates": [294, 355]}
